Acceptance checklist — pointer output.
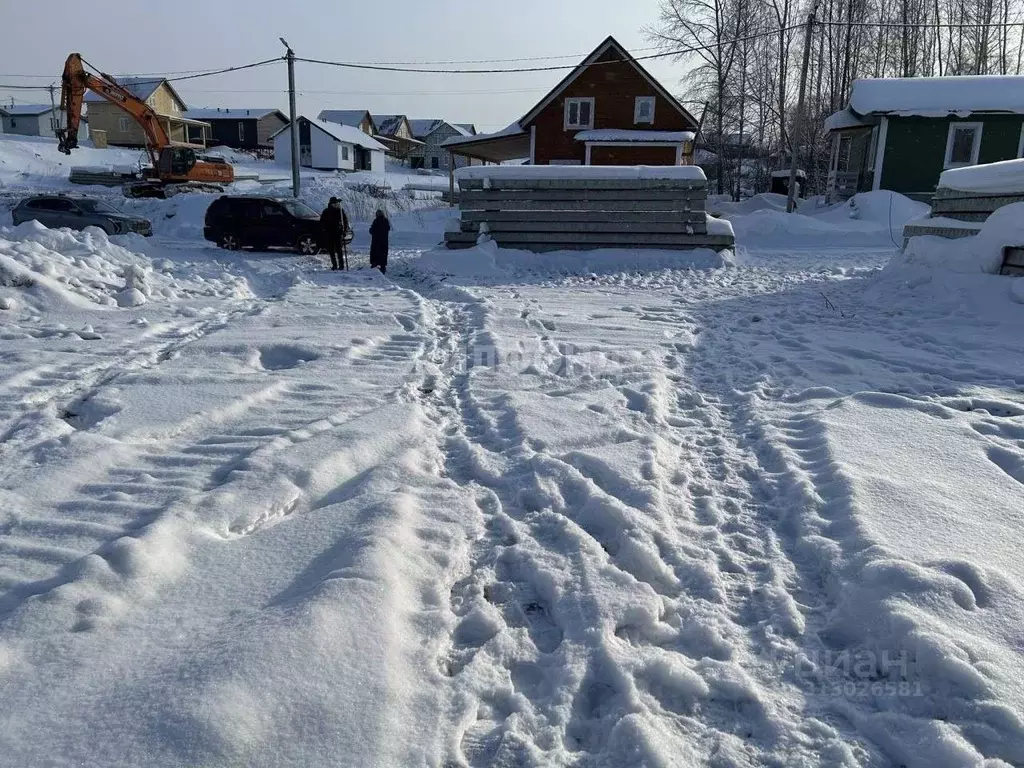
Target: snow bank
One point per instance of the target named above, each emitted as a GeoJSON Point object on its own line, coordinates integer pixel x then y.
{"type": "Point", "coordinates": [981, 253]}
{"type": "Point", "coordinates": [489, 261]}
{"type": "Point", "coordinates": [526, 172]}
{"type": "Point", "coordinates": [52, 268]}
{"type": "Point", "coordinates": [1005, 178]}
{"type": "Point", "coordinates": [869, 218]}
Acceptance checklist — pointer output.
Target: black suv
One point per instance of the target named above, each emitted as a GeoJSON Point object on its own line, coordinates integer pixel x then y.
{"type": "Point", "coordinates": [263, 222]}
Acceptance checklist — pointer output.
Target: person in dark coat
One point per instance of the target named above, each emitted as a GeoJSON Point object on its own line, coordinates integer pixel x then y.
{"type": "Point", "coordinates": [379, 230]}
{"type": "Point", "coordinates": [334, 224]}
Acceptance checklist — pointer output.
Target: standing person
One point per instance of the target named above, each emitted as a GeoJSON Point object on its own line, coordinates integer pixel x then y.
{"type": "Point", "coordinates": [334, 224]}
{"type": "Point", "coordinates": [379, 230]}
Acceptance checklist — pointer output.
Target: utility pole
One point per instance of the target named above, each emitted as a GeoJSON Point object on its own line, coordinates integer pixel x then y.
{"type": "Point", "coordinates": [797, 137]}
{"type": "Point", "coordinates": [294, 126]}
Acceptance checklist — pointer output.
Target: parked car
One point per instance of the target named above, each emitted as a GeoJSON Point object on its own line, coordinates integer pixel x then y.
{"type": "Point", "coordinates": [55, 211]}
{"type": "Point", "coordinates": [235, 222]}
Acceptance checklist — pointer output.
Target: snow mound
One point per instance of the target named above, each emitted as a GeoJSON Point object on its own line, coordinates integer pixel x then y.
{"type": "Point", "coordinates": [61, 267]}
{"type": "Point", "coordinates": [1004, 178]}
{"type": "Point", "coordinates": [487, 260]}
{"type": "Point", "coordinates": [869, 218]}
{"type": "Point", "coordinates": [981, 253]}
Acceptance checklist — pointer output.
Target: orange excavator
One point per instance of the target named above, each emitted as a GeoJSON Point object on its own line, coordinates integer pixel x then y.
{"type": "Point", "coordinates": [175, 168]}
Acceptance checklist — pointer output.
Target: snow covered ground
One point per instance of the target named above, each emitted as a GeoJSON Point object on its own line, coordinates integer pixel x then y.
{"type": "Point", "coordinates": [619, 509]}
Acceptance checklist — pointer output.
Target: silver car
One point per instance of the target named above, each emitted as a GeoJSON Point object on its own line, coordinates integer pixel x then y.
{"type": "Point", "coordinates": [55, 211]}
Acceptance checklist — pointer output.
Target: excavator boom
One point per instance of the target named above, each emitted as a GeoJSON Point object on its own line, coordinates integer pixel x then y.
{"type": "Point", "coordinates": [171, 164]}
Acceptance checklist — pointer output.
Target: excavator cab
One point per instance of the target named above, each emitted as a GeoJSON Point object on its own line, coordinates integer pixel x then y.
{"type": "Point", "coordinates": [176, 162]}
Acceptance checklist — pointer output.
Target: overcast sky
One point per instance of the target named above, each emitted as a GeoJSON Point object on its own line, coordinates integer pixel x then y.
{"type": "Point", "coordinates": [139, 36]}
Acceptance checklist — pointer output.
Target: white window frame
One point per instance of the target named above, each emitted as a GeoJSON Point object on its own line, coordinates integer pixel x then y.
{"type": "Point", "coordinates": [578, 126]}
{"type": "Point", "coordinates": [975, 148]}
{"type": "Point", "coordinates": [637, 104]}
{"type": "Point", "coordinates": [344, 152]}
{"type": "Point", "coordinates": [124, 124]}
{"type": "Point", "coordinates": [1020, 142]}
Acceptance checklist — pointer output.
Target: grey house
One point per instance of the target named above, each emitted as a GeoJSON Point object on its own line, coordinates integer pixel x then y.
{"type": "Point", "coordinates": [900, 134]}
{"type": "Point", "coordinates": [29, 119]}
{"type": "Point", "coordinates": [433, 134]}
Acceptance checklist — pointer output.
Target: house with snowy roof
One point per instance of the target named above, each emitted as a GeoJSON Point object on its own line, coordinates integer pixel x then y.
{"type": "Point", "coordinates": [433, 134]}
{"type": "Point", "coordinates": [248, 129]}
{"type": "Point", "coordinates": [900, 134]}
{"type": "Point", "coordinates": [122, 130]}
{"type": "Point", "coordinates": [395, 132]}
{"type": "Point", "coordinates": [330, 146]}
{"type": "Point", "coordinates": [609, 110]}
{"type": "Point", "coordinates": [29, 119]}
{"type": "Point", "coordinates": [354, 118]}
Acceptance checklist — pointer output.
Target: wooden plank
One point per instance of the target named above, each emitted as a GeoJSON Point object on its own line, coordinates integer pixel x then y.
{"type": "Point", "coordinates": [654, 217]}
{"type": "Point", "coordinates": [677, 227]}
{"type": "Point", "coordinates": [587, 184]}
{"type": "Point", "coordinates": [597, 195]}
{"type": "Point", "coordinates": [971, 216]}
{"type": "Point", "coordinates": [587, 240]}
{"type": "Point", "coordinates": [914, 230]}
{"type": "Point", "coordinates": [1013, 260]}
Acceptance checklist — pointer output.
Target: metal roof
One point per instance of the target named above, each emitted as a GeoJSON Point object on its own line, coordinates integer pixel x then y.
{"type": "Point", "coordinates": [29, 110]}
{"type": "Point", "coordinates": [229, 113]}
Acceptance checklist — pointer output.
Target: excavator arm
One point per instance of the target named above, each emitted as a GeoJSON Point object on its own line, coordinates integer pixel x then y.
{"type": "Point", "coordinates": [76, 81]}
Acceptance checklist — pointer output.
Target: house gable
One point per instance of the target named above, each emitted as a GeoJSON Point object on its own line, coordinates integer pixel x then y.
{"type": "Point", "coordinates": [613, 81]}
{"type": "Point", "coordinates": [619, 68]}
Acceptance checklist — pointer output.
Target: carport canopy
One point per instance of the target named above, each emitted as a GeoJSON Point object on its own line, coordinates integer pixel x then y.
{"type": "Point", "coordinates": [512, 143]}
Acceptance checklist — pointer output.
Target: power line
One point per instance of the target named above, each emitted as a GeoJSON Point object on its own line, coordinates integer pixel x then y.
{"type": "Point", "coordinates": [925, 25]}
{"type": "Point", "coordinates": [553, 68]}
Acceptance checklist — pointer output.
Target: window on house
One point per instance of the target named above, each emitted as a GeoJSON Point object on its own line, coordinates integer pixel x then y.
{"type": "Point", "coordinates": [124, 124]}
{"type": "Point", "coordinates": [844, 148]}
{"type": "Point", "coordinates": [643, 111]}
{"type": "Point", "coordinates": [579, 113]}
{"type": "Point", "coordinates": [963, 144]}
{"type": "Point", "coordinates": [344, 151]}
{"type": "Point", "coordinates": [241, 131]}
{"type": "Point", "coordinates": [435, 162]}
{"type": "Point", "coordinates": [14, 123]}
{"type": "Point", "coordinates": [1020, 143]}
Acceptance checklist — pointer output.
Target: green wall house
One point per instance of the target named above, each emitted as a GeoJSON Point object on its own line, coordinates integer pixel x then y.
{"type": "Point", "coordinates": [900, 134]}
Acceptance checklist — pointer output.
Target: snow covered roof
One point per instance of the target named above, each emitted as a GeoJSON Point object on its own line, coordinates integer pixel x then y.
{"type": "Point", "coordinates": [420, 128]}
{"type": "Point", "coordinates": [467, 129]}
{"type": "Point", "coordinates": [26, 110]}
{"type": "Point", "coordinates": [353, 117]}
{"type": "Point", "coordinates": [674, 172]}
{"type": "Point", "coordinates": [231, 113]}
{"type": "Point", "coordinates": [938, 96]}
{"type": "Point", "coordinates": [612, 134]}
{"type": "Point", "coordinates": [343, 133]}
{"type": "Point", "coordinates": [844, 118]}
{"type": "Point", "coordinates": [1003, 178]}
{"type": "Point", "coordinates": [387, 124]}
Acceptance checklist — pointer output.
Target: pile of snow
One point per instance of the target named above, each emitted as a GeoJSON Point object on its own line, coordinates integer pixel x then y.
{"type": "Point", "coordinates": [33, 162]}
{"type": "Point", "coordinates": [52, 268]}
{"type": "Point", "coordinates": [487, 260]}
{"type": "Point", "coordinates": [937, 96]}
{"type": "Point", "coordinates": [1005, 178]}
{"type": "Point", "coordinates": [970, 255]}
{"type": "Point", "coordinates": [869, 218]}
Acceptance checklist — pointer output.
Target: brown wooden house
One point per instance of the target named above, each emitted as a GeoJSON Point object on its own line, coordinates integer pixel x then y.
{"type": "Point", "coordinates": [608, 111]}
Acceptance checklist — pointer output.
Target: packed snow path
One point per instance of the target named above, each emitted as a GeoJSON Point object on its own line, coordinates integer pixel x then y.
{"type": "Point", "coordinates": [734, 517]}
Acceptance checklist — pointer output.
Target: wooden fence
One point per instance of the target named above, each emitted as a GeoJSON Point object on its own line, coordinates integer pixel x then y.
{"type": "Point", "coordinates": [546, 214]}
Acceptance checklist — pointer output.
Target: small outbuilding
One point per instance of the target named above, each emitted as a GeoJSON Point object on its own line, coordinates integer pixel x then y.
{"type": "Point", "coordinates": [900, 134]}
{"type": "Point", "coordinates": [330, 146]}
{"type": "Point", "coordinates": [29, 119]}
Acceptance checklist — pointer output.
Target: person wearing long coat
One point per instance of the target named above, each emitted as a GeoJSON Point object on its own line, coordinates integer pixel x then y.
{"type": "Point", "coordinates": [379, 230]}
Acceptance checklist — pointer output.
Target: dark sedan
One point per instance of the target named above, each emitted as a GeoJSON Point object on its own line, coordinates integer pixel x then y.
{"type": "Point", "coordinates": [56, 211]}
